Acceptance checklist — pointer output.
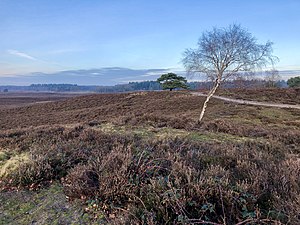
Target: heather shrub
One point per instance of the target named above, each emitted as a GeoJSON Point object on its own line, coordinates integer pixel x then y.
{"type": "Point", "coordinates": [180, 181]}
{"type": "Point", "coordinates": [166, 181]}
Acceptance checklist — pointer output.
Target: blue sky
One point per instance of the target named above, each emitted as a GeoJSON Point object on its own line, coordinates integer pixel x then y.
{"type": "Point", "coordinates": [67, 35]}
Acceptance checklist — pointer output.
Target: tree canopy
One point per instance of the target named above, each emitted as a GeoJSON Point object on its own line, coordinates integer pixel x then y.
{"type": "Point", "coordinates": [171, 81]}
{"type": "Point", "coordinates": [294, 82]}
{"type": "Point", "coordinates": [225, 52]}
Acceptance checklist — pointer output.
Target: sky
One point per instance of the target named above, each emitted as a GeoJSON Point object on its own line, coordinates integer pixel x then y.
{"type": "Point", "coordinates": [58, 41]}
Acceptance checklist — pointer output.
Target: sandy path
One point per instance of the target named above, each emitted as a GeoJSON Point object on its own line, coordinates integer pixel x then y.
{"type": "Point", "coordinates": [241, 101]}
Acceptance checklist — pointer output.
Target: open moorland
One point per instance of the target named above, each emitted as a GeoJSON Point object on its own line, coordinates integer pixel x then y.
{"type": "Point", "coordinates": [19, 99]}
{"type": "Point", "coordinates": [141, 158]}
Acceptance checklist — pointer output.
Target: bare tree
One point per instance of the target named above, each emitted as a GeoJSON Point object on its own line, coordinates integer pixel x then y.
{"type": "Point", "coordinates": [271, 77]}
{"type": "Point", "coordinates": [239, 82]}
{"type": "Point", "coordinates": [223, 53]}
{"type": "Point", "coordinates": [242, 80]}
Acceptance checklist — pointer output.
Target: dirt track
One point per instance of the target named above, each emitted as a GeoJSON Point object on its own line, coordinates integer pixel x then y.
{"type": "Point", "coordinates": [240, 101]}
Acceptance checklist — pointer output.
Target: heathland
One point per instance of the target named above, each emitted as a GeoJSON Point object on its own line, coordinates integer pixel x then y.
{"type": "Point", "coordinates": [142, 158]}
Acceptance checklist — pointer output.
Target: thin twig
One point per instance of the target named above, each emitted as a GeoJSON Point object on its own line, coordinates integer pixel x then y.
{"type": "Point", "coordinates": [197, 221]}
{"type": "Point", "coordinates": [223, 211]}
{"type": "Point", "coordinates": [127, 211]}
{"type": "Point", "coordinates": [132, 195]}
{"type": "Point", "coordinates": [258, 220]}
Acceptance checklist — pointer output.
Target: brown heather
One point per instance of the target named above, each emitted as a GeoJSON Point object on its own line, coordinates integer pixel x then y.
{"type": "Point", "coordinates": [241, 166]}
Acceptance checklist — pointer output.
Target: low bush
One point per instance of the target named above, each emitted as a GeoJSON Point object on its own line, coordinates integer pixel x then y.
{"type": "Point", "coordinates": [165, 181]}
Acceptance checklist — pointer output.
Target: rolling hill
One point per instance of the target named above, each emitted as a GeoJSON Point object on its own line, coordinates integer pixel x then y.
{"type": "Point", "coordinates": [142, 158]}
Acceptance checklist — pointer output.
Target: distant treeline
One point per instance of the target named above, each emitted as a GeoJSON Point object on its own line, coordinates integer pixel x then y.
{"type": "Point", "coordinates": [49, 88]}
{"type": "Point", "coordinates": [135, 86]}
{"type": "Point", "coordinates": [132, 86]}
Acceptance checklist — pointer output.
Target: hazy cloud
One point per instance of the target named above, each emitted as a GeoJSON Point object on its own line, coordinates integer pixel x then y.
{"type": "Point", "coordinates": [104, 76]}
{"type": "Point", "coordinates": [21, 54]}
{"type": "Point", "coordinates": [100, 76]}
{"type": "Point", "coordinates": [26, 56]}
{"type": "Point", "coordinates": [152, 73]}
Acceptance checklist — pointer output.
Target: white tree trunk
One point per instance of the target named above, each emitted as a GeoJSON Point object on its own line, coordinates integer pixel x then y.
{"type": "Point", "coordinates": [209, 95]}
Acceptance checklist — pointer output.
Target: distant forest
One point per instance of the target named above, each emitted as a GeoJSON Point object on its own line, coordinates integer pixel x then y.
{"type": "Point", "coordinates": [134, 86]}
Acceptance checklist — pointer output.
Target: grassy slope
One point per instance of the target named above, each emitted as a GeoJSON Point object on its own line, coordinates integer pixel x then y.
{"type": "Point", "coordinates": [46, 206]}
{"type": "Point", "coordinates": [151, 116]}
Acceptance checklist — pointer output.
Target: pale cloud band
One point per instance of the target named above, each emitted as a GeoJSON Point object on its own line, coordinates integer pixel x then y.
{"type": "Point", "coordinates": [21, 54]}
{"type": "Point", "coordinates": [29, 57]}
{"type": "Point", "coordinates": [107, 76]}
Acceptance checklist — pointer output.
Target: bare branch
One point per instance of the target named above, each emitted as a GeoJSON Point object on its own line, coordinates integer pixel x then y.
{"type": "Point", "coordinates": [223, 53]}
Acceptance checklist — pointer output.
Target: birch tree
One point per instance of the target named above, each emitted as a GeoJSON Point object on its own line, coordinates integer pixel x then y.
{"type": "Point", "coordinates": [225, 52]}
{"type": "Point", "coordinates": [272, 77]}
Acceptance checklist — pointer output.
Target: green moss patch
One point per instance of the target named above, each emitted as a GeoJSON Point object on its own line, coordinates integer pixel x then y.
{"type": "Point", "coordinates": [47, 206]}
